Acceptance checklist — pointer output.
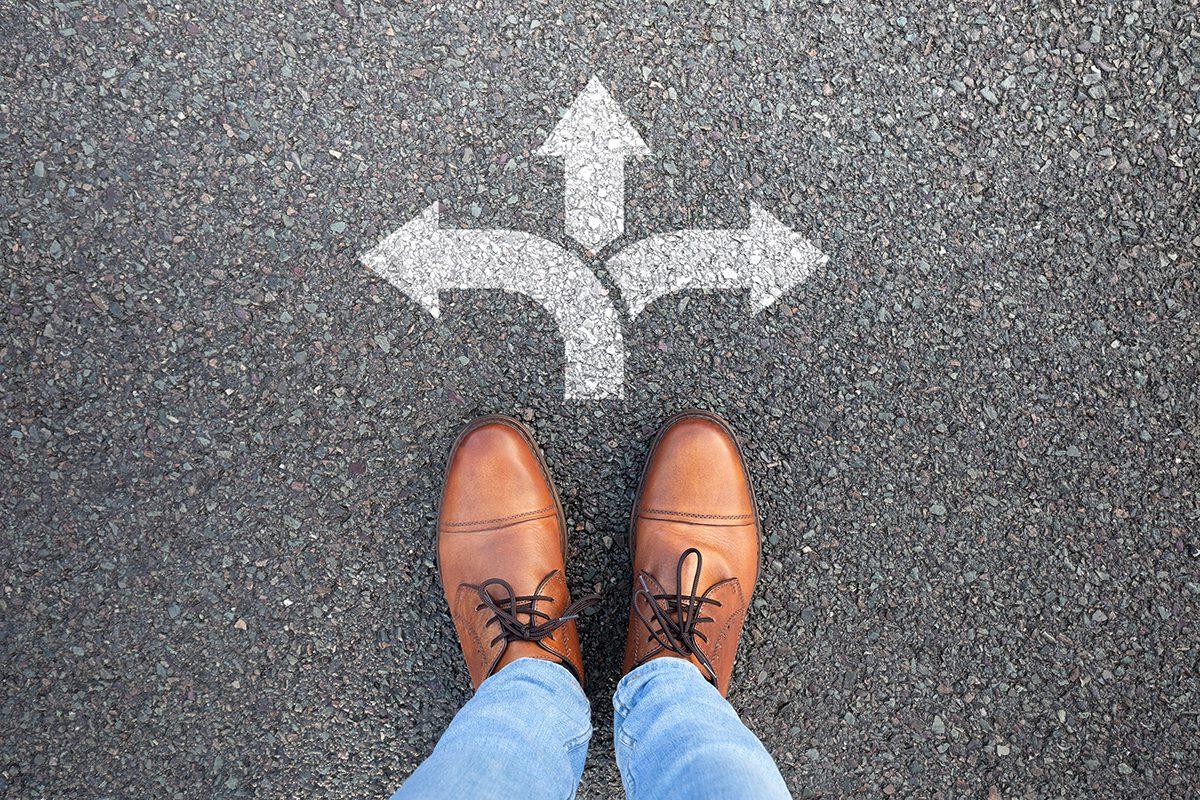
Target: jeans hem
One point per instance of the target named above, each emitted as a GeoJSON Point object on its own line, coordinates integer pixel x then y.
{"type": "Point", "coordinates": [645, 672]}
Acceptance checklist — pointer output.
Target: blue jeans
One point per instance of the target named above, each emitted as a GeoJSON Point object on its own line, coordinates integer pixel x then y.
{"type": "Point", "coordinates": [525, 735]}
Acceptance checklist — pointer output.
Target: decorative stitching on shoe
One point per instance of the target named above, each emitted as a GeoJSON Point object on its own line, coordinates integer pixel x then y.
{"type": "Point", "coordinates": [457, 613]}
{"type": "Point", "coordinates": [509, 518]}
{"type": "Point", "coordinates": [694, 516]}
{"type": "Point", "coordinates": [734, 621]}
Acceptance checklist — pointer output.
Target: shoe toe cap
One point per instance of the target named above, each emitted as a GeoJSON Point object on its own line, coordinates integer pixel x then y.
{"type": "Point", "coordinates": [696, 471]}
{"type": "Point", "coordinates": [495, 474]}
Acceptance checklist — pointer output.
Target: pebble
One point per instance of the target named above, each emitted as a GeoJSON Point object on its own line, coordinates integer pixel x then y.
{"type": "Point", "coordinates": [225, 436]}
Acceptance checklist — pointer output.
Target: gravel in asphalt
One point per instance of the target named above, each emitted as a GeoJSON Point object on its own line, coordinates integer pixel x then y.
{"type": "Point", "coordinates": [973, 431]}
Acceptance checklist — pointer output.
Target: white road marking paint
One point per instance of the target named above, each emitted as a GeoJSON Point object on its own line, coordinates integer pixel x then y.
{"type": "Point", "coordinates": [594, 138]}
{"type": "Point", "coordinates": [768, 258]}
{"type": "Point", "coordinates": [421, 259]}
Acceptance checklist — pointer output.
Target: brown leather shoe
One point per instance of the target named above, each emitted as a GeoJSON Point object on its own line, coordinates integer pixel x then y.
{"type": "Point", "coordinates": [694, 540]}
{"type": "Point", "coordinates": [502, 546]}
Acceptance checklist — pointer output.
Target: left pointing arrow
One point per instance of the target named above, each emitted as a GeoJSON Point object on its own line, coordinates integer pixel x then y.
{"type": "Point", "coordinates": [420, 259]}
{"type": "Point", "coordinates": [594, 138]}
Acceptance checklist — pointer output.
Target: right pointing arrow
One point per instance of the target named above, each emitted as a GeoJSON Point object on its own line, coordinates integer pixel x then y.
{"type": "Point", "coordinates": [421, 259]}
{"type": "Point", "coordinates": [594, 138]}
{"type": "Point", "coordinates": [768, 258]}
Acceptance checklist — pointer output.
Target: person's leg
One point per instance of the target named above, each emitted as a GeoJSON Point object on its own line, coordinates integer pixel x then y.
{"type": "Point", "coordinates": [501, 545]}
{"type": "Point", "coordinates": [694, 539]}
{"type": "Point", "coordinates": [677, 737]}
{"type": "Point", "coordinates": [524, 734]}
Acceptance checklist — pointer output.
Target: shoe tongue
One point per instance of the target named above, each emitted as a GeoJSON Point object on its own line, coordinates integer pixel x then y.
{"type": "Point", "coordinates": [661, 577]}
{"type": "Point", "coordinates": [667, 567]}
{"type": "Point", "coordinates": [687, 576]}
{"type": "Point", "coordinates": [510, 603]}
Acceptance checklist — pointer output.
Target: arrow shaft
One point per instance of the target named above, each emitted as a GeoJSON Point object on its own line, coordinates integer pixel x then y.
{"type": "Point", "coordinates": [672, 262]}
{"type": "Point", "coordinates": [517, 262]}
{"type": "Point", "coordinates": [594, 198]}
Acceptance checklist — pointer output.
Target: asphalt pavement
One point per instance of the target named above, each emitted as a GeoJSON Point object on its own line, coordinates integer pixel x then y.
{"type": "Point", "coordinates": [973, 430]}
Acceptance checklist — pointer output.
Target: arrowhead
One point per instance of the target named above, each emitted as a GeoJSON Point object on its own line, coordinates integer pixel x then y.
{"type": "Point", "coordinates": [402, 259]}
{"type": "Point", "coordinates": [594, 123]}
{"type": "Point", "coordinates": [784, 258]}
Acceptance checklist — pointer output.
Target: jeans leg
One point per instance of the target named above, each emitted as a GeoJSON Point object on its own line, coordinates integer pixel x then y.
{"type": "Point", "coordinates": [524, 734]}
{"type": "Point", "coordinates": [677, 739]}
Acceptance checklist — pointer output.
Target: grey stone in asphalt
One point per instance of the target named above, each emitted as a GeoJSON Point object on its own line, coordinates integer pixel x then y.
{"type": "Point", "coordinates": [973, 430]}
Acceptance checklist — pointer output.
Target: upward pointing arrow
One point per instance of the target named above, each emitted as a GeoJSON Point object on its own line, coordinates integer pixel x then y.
{"type": "Point", "coordinates": [594, 138]}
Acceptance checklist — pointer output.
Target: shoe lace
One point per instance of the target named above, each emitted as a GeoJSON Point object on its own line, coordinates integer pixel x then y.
{"type": "Point", "coordinates": [674, 617]}
{"type": "Point", "coordinates": [508, 608]}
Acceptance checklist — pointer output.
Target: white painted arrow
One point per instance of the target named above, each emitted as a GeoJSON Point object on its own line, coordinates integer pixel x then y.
{"type": "Point", "coordinates": [768, 258]}
{"type": "Point", "coordinates": [420, 259]}
{"type": "Point", "coordinates": [594, 138]}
